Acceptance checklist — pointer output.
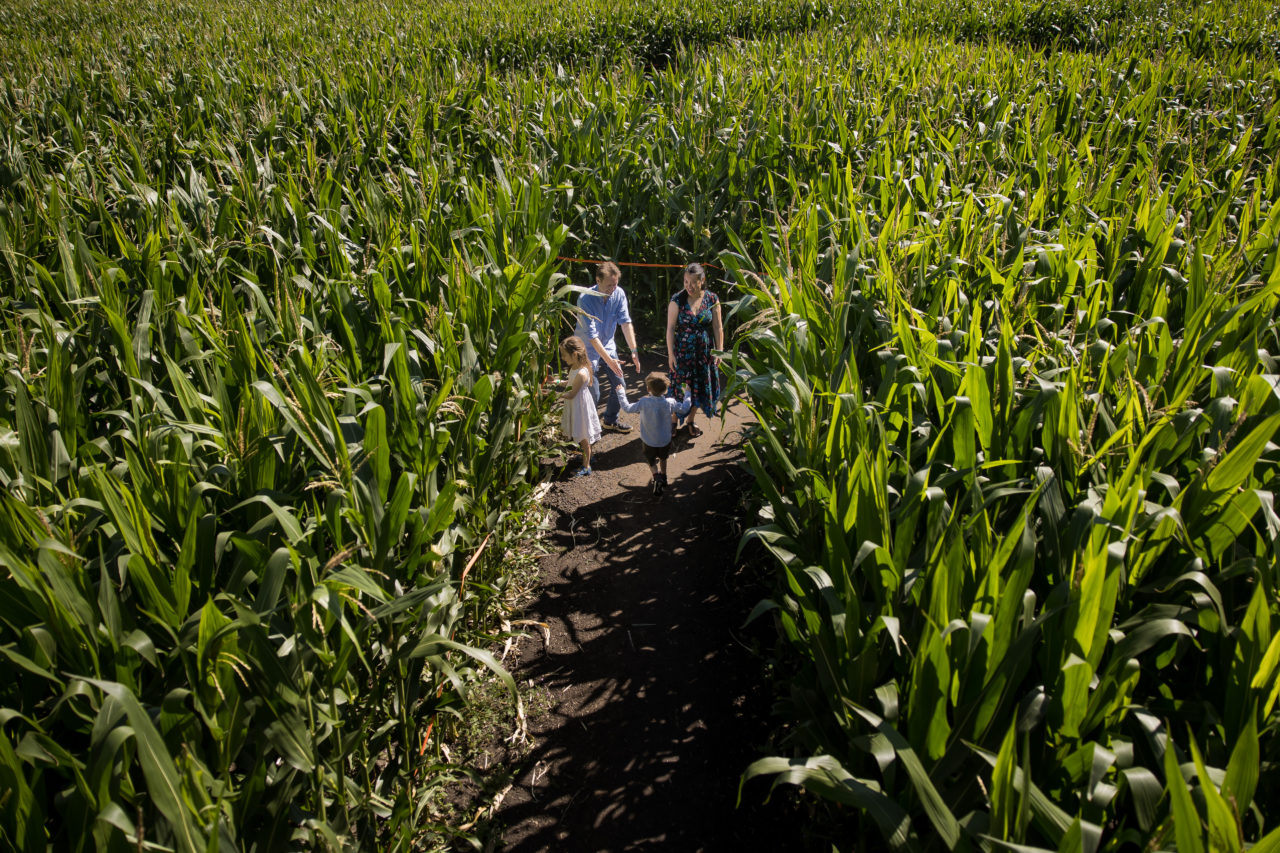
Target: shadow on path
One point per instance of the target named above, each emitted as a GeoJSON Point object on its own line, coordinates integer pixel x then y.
{"type": "Point", "coordinates": [660, 703]}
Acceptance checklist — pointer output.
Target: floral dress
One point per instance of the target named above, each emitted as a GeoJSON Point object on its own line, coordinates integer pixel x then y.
{"type": "Point", "coordinates": [693, 340]}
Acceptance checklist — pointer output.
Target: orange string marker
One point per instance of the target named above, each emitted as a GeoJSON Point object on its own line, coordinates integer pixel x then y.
{"type": "Point", "coordinates": [630, 263]}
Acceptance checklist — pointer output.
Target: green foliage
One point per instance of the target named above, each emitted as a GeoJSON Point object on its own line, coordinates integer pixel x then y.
{"type": "Point", "coordinates": [232, 554]}
{"type": "Point", "coordinates": [1024, 504]}
{"type": "Point", "coordinates": [280, 288]}
{"type": "Point", "coordinates": [261, 407]}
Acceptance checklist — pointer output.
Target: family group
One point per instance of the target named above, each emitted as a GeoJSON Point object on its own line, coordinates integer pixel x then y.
{"type": "Point", "coordinates": [695, 333]}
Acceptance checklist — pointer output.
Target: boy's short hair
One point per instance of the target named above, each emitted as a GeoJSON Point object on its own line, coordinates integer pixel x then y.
{"type": "Point", "coordinates": [656, 382]}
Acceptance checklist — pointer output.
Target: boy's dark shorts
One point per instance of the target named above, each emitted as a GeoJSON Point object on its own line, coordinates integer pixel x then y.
{"type": "Point", "coordinates": [653, 454]}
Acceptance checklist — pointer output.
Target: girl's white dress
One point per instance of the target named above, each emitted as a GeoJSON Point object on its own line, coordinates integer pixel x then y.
{"type": "Point", "coordinates": [580, 420]}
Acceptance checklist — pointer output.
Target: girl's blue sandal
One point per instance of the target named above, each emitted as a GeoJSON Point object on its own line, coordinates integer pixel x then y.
{"type": "Point", "coordinates": [582, 472]}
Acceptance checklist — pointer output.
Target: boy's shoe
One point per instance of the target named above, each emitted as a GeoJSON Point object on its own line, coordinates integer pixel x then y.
{"type": "Point", "coordinates": [659, 485]}
{"type": "Point", "coordinates": [655, 485]}
{"type": "Point", "coordinates": [616, 426]}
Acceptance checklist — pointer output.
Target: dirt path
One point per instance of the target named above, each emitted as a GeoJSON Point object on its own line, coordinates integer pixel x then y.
{"type": "Point", "coordinates": [659, 702]}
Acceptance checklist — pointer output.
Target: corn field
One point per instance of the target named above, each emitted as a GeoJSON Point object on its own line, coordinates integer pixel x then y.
{"type": "Point", "coordinates": [281, 285]}
{"type": "Point", "coordinates": [1014, 360]}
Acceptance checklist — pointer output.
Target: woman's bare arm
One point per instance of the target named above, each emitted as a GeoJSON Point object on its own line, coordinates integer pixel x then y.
{"type": "Point", "coordinates": [718, 326]}
{"type": "Point", "coordinates": [672, 312]}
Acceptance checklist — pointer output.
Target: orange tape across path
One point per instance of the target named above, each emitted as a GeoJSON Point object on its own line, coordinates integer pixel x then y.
{"type": "Point", "coordinates": [629, 263]}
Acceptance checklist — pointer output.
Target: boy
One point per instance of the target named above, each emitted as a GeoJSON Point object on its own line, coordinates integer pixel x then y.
{"type": "Point", "coordinates": [656, 412]}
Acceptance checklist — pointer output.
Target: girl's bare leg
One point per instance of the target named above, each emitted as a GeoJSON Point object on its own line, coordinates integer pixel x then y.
{"type": "Point", "coordinates": [586, 453]}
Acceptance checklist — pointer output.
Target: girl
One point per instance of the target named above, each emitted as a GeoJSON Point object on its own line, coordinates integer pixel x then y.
{"type": "Point", "coordinates": [580, 421]}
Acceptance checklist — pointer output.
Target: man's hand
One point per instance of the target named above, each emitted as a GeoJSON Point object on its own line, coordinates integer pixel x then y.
{"type": "Point", "coordinates": [635, 359]}
{"type": "Point", "coordinates": [616, 367]}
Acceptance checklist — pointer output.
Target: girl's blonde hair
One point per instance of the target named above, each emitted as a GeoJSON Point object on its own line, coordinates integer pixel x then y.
{"type": "Point", "coordinates": [574, 350]}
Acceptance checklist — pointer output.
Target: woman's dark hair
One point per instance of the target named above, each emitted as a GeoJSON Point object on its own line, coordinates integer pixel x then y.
{"type": "Point", "coordinates": [695, 269]}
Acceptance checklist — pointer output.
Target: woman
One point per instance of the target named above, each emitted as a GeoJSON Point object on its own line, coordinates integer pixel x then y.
{"type": "Point", "coordinates": [693, 326]}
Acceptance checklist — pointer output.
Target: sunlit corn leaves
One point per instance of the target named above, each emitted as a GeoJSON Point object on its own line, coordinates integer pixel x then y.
{"type": "Point", "coordinates": [1014, 366]}
{"type": "Point", "coordinates": [281, 287]}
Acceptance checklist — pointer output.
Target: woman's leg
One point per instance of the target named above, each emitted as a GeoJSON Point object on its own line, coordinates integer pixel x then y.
{"type": "Point", "coordinates": [693, 429]}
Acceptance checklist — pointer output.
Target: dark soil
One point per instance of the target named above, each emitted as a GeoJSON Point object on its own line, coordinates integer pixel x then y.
{"type": "Point", "coordinates": [659, 699]}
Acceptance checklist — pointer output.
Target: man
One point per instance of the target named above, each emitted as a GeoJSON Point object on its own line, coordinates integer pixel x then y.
{"type": "Point", "coordinates": [604, 309]}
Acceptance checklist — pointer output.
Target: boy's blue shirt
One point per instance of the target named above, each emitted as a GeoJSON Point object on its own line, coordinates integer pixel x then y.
{"type": "Point", "coordinates": [655, 415]}
{"type": "Point", "coordinates": [600, 319]}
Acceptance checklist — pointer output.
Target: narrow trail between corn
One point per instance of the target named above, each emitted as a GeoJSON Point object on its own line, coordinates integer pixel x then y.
{"type": "Point", "coordinates": [659, 702]}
